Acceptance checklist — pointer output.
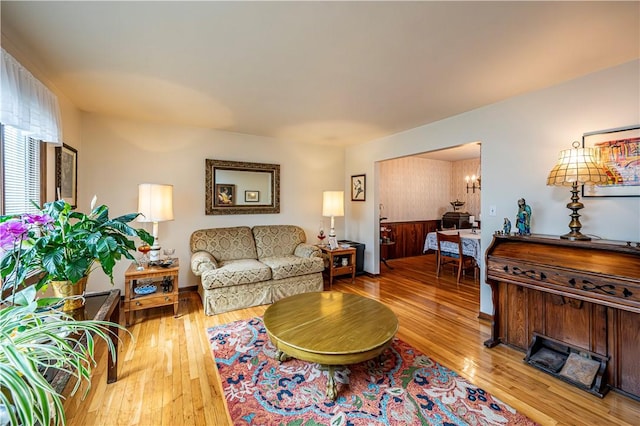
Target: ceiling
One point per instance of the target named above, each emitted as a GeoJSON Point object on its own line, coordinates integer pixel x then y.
{"type": "Point", "coordinates": [335, 72]}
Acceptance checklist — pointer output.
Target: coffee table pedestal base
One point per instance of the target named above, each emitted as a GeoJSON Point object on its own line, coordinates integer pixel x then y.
{"type": "Point", "coordinates": [332, 387]}
{"type": "Point", "coordinates": [281, 356]}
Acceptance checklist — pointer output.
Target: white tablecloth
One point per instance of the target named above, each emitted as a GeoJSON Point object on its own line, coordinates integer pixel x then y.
{"type": "Point", "coordinates": [470, 243]}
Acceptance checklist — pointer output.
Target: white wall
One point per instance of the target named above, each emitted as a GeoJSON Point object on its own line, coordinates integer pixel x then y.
{"type": "Point", "coordinates": [521, 139]}
{"type": "Point", "coordinates": [117, 155]}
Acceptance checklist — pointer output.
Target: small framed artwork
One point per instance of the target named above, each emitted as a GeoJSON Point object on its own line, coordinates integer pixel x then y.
{"type": "Point", "coordinates": [618, 151]}
{"type": "Point", "coordinates": [67, 174]}
{"type": "Point", "coordinates": [333, 243]}
{"type": "Point", "coordinates": [251, 196]}
{"type": "Point", "coordinates": [358, 187]}
{"type": "Point", "coordinates": [225, 194]}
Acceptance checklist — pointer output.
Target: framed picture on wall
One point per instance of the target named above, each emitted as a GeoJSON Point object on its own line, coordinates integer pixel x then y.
{"type": "Point", "coordinates": [618, 151]}
{"type": "Point", "coordinates": [251, 196]}
{"type": "Point", "coordinates": [225, 194]}
{"type": "Point", "coordinates": [67, 174]}
{"type": "Point", "coordinates": [358, 187]}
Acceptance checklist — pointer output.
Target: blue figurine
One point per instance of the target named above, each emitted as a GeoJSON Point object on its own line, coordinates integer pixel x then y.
{"type": "Point", "coordinates": [506, 228]}
{"type": "Point", "coordinates": [523, 218]}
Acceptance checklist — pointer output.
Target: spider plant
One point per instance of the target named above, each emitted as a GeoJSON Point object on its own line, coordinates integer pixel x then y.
{"type": "Point", "coordinates": [33, 339]}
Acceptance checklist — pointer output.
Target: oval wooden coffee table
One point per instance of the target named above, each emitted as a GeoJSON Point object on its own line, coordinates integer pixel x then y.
{"type": "Point", "coordinates": [330, 328]}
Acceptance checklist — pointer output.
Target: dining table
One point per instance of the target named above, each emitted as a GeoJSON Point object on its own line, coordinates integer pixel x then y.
{"type": "Point", "coordinates": [470, 243]}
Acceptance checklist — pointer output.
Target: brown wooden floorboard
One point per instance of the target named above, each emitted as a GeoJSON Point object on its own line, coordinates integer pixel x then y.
{"type": "Point", "coordinates": [166, 373]}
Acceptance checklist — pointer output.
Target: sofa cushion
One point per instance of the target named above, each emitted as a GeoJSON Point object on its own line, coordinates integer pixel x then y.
{"type": "Point", "coordinates": [236, 272]}
{"type": "Point", "coordinates": [292, 266]}
{"type": "Point", "coordinates": [225, 243]}
{"type": "Point", "coordinates": [277, 240]}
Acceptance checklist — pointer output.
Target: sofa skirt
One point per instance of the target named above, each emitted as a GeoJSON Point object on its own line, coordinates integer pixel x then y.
{"type": "Point", "coordinates": [225, 299]}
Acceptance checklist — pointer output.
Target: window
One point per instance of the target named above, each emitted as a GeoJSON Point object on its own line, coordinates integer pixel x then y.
{"type": "Point", "coordinates": [22, 171]}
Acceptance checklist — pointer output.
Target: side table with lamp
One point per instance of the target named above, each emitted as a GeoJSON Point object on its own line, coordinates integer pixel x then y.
{"type": "Point", "coordinates": [156, 284]}
{"type": "Point", "coordinates": [141, 290]}
{"type": "Point", "coordinates": [340, 259]}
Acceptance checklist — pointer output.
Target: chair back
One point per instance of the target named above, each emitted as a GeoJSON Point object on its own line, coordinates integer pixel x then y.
{"type": "Point", "coordinates": [451, 238]}
{"type": "Point", "coordinates": [459, 259]}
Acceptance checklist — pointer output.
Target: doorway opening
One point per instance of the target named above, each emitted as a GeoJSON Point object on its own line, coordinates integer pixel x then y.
{"type": "Point", "coordinates": [417, 191]}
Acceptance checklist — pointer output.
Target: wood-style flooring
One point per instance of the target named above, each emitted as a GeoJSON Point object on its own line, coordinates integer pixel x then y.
{"type": "Point", "coordinates": [166, 373]}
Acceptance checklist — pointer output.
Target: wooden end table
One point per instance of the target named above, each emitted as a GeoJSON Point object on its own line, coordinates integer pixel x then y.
{"type": "Point", "coordinates": [166, 281]}
{"type": "Point", "coordinates": [336, 266]}
{"type": "Point", "coordinates": [330, 328]}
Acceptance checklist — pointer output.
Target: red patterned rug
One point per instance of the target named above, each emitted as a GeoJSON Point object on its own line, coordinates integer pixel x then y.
{"type": "Point", "coordinates": [407, 388]}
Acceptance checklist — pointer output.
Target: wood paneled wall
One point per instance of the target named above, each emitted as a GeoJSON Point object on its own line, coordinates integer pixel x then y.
{"type": "Point", "coordinates": [408, 236]}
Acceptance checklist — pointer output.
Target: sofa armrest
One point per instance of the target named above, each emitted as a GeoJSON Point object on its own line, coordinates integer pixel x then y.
{"type": "Point", "coordinates": [307, 250]}
{"type": "Point", "coordinates": [202, 261]}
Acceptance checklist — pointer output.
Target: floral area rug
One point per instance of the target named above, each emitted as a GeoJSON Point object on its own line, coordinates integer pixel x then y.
{"type": "Point", "coordinates": [403, 387]}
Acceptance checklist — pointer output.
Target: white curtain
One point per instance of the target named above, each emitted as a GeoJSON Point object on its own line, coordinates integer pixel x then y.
{"type": "Point", "coordinates": [27, 104]}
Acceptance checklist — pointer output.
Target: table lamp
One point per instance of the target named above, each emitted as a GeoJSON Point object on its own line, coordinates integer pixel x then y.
{"type": "Point", "coordinates": [576, 166]}
{"type": "Point", "coordinates": [332, 205]}
{"type": "Point", "coordinates": [155, 203]}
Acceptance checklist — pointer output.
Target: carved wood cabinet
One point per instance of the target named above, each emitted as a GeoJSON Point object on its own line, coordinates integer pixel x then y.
{"type": "Point", "coordinates": [584, 294]}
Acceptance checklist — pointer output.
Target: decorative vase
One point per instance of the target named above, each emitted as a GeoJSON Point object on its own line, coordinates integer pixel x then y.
{"type": "Point", "coordinates": [74, 293]}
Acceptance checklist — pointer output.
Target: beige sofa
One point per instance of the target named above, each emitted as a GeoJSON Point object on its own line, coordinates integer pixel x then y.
{"type": "Point", "coordinates": [241, 267]}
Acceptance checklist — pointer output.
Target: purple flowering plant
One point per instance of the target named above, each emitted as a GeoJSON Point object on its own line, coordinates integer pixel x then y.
{"type": "Point", "coordinates": [60, 243]}
{"type": "Point", "coordinates": [17, 235]}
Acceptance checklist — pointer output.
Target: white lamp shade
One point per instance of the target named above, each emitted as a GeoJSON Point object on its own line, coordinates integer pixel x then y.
{"type": "Point", "coordinates": [155, 202]}
{"type": "Point", "coordinates": [333, 203]}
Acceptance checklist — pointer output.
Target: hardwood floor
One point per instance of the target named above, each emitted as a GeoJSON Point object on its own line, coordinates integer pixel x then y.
{"type": "Point", "coordinates": [167, 376]}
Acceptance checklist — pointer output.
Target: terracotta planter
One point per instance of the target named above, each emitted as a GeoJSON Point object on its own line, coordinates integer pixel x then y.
{"type": "Point", "coordinates": [73, 291]}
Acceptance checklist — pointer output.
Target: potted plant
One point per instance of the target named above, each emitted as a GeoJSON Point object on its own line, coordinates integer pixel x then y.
{"type": "Point", "coordinates": [66, 245]}
{"type": "Point", "coordinates": [34, 338]}
{"type": "Point", "coordinates": [58, 243]}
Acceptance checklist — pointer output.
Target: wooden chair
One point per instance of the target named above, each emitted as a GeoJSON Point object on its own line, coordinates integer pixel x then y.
{"type": "Point", "coordinates": [459, 260]}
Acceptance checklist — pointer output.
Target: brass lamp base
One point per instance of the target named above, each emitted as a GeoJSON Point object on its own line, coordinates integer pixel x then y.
{"type": "Point", "coordinates": [575, 236]}
{"type": "Point", "coordinates": [575, 225]}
